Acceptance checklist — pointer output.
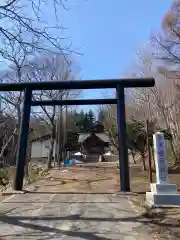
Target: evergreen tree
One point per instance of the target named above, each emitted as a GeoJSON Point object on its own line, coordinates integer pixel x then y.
{"type": "Point", "coordinates": [101, 116]}
{"type": "Point", "coordinates": [90, 120]}
{"type": "Point", "coordinates": [82, 122]}
{"type": "Point", "coordinates": [79, 120]}
{"type": "Point", "coordinates": [91, 116]}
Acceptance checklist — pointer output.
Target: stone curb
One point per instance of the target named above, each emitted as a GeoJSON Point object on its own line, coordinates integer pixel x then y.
{"type": "Point", "coordinates": [13, 193]}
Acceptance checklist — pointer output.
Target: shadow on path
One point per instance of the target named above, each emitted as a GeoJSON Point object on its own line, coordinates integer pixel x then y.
{"type": "Point", "coordinates": [16, 221]}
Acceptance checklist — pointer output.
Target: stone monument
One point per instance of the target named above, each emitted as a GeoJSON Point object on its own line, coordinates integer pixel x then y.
{"type": "Point", "coordinates": [162, 193]}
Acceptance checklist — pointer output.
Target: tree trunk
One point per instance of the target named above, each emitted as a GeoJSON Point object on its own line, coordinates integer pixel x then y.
{"type": "Point", "coordinates": [171, 141]}
{"type": "Point", "coordinates": [5, 147]}
{"type": "Point", "coordinates": [51, 149]}
{"type": "Point", "coordinates": [176, 160]}
{"type": "Point", "coordinates": [152, 153]}
{"type": "Point", "coordinates": [28, 157]}
{"type": "Point", "coordinates": [56, 140]}
{"type": "Point", "coordinates": [61, 137]}
{"type": "Point", "coordinates": [143, 161]}
{"type": "Point", "coordinates": [133, 157]}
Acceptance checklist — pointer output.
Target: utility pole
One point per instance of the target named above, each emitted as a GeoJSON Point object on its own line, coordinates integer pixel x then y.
{"type": "Point", "coordinates": [149, 151]}
{"type": "Point", "coordinates": [65, 126]}
{"type": "Point", "coordinates": [60, 133]}
{"type": "Point", "coordinates": [1, 113]}
{"type": "Point", "coordinates": [56, 138]}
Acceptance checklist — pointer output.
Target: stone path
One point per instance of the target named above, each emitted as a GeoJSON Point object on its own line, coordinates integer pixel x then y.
{"type": "Point", "coordinates": [69, 216]}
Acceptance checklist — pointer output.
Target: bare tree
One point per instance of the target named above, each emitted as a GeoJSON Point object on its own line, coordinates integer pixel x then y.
{"type": "Point", "coordinates": [110, 123]}
{"type": "Point", "coordinates": [22, 24]}
{"type": "Point", "coordinates": [11, 101]}
{"type": "Point", "coordinates": [166, 42]}
{"type": "Point", "coordinates": [7, 135]}
{"type": "Point", "coordinates": [158, 103]}
{"type": "Point", "coordinates": [54, 68]}
{"type": "Point", "coordinates": [25, 33]}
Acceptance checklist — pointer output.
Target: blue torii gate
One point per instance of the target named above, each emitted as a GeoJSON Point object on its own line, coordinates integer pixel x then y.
{"type": "Point", "coordinates": [118, 84]}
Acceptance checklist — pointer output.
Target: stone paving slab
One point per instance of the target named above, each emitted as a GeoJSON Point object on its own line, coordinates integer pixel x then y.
{"type": "Point", "coordinates": [69, 217]}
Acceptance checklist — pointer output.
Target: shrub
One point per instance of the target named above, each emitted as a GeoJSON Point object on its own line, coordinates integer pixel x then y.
{"type": "Point", "coordinates": [35, 173]}
{"type": "Point", "coordinates": [4, 177]}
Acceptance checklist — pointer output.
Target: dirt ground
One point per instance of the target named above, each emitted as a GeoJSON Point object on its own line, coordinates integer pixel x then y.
{"type": "Point", "coordinates": [100, 178]}
{"type": "Point", "coordinates": [104, 178]}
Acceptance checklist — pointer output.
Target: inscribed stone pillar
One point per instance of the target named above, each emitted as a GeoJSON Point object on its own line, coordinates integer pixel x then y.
{"type": "Point", "coordinates": [160, 158]}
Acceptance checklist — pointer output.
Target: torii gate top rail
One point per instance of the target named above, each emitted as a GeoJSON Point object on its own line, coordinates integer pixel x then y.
{"type": "Point", "coordinates": [119, 84]}
{"type": "Point", "coordinates": [83, 84]}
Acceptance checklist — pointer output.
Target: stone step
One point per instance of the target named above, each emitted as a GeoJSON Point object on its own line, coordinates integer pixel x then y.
{"type": "Point", "coordinates": [163, 188]}
{"type": "Point", "coordinates": [154, 199]}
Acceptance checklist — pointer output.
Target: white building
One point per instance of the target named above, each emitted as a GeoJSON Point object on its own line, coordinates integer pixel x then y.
{"type": "Point", "coordinates": [40, 148]}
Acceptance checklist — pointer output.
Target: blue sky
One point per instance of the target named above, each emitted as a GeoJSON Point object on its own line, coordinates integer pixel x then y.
{"type": "Point", "coordinates": [108, 33]}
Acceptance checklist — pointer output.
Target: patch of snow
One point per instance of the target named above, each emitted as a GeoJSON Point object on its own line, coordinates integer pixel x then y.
{"type": "Point", "coordinates": [108, 154]}
{"type": "Point", "coordinates": [78, 154]}
{"type": "Point", "coordinates": [78, 162]}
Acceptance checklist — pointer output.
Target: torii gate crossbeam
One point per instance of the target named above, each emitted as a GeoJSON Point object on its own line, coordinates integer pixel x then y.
{"type": "Point", "coordinates": [118, 84]}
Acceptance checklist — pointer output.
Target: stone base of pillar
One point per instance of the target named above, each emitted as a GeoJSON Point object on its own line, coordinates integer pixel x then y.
{"type": "Point", "coordinates": [163, 195]}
